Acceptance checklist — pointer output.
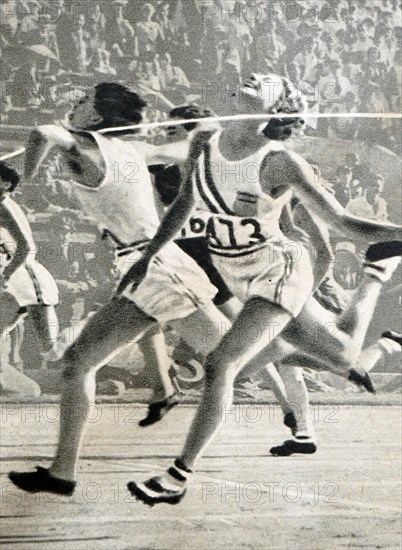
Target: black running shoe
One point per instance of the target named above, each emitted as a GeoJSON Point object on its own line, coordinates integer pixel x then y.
{"type": "Point", "coordinates": [156, 411]}
{"type": "Point", "coordinates": [42, 481]}
{"type": "Point", "coordinates": [153, 492]}
{"type": "Point", "coordinates": [290, 421]}
{"type": "Point", "coordinates": [391, 335]}
{"type": "Point", "coordinates": [384, 250]}
{"type": "Point", "coordinates": [361, 379]}
{"type": "Point", "coordinates": [292, 446]}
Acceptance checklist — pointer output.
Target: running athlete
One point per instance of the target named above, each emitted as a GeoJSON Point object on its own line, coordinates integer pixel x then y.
{"type": "Point", "coordinates": [111, 180]}
{"type": "Point", "coordinates": [193, 241]}
{"type": "Point", "coordinates": [244, 177]}
{"type": "Point", "coordinates": [60, 477]}
{"type": "Point", "coordinates": [26, 287]}
{"type": "Point", "coordinates": [288, 384]}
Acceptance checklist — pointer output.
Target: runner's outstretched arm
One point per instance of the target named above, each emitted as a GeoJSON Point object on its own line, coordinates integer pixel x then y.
{"type": "Point", "coordinates": [298, 173]}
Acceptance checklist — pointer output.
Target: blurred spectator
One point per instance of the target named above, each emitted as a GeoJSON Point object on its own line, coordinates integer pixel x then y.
{"type": "Point", "coordinates": [81, 43]}
{"type": "Point", "coordinates": [304, 65]}
{"type": "Point", "coordinates": [64, 32]}
{"type": "Point", "coordinates": [99, 56]}
{"type": "Point", "coordinates": [120, 34]}
{"type": "Point", "coordinates": [370, 204]}
{"type": "Point", "coordinates": [25, 88]}
{"type": "Point", "coordinates": [355, 44]}
{"type": "Point", "coordinates": [373, 73]}
{"type": "Point", "coordinates": [166, 25]}
{"type": "Point", "coordinates": [171, 76]}
{"type": "Point", "coordinates": [148, 31]}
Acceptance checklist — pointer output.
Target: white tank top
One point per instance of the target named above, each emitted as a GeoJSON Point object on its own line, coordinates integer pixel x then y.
{"type": "Point", "coordinates": [123, 205]}
{"type": "Point", "coordinates": [7, 242]}
{"type": "Point", "coordinates": [241, 217]}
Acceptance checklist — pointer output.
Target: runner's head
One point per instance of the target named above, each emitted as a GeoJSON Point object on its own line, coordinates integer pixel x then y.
{"type": "Point", "coordinates": [9, 178]}
{"type": "Point", "coordinates": [189, 111]}
{"type": "Point", "coordinates": [107, 105]}
{"type": "Point", "coordinates": [271, 93]}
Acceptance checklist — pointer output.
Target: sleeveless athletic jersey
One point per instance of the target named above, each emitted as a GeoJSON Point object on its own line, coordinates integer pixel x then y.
{"type": "Point", "coordinates": [123, 205]}
{"type": "Point", "coordinates": [240, 218]}
{"type": "Point", "coordinates": [7, 242]}
{"type": "Point", "coordinates": [31, 283]}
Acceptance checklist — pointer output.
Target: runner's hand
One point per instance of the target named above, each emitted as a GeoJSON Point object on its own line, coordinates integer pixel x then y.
{"type": "Point", "coordinates": [134, 276]}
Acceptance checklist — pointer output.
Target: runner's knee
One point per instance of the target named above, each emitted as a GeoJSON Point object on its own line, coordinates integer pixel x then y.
{"type": "Point", "coordinates": [71, 364]}
{"type": "Point", "coordinates": [217, 367]}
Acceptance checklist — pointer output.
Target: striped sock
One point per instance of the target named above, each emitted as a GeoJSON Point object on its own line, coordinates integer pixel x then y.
{"type": "Point", "coordinates": [383, 269]}
{"type": "Point", "coordinates": [178, 474]}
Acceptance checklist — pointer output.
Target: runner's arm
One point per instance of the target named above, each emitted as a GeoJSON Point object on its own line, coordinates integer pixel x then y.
{"type": "Point", "coordinates": [181, 208]}
{"type": "Point", "coordinates": [319, 239]}
{"type": "Point", "coordinates": [297, 173]}
{"type": "Point", "coordinates": [40, 142]}
{"type": "Point", "coordinates": [177, 214]}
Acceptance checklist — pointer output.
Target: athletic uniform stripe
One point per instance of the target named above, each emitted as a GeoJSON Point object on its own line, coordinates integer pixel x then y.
{"type": "Point", "coordinates": [180, 283]}
{"type": "Point", "coordinates": [35, 282]}
{"type": "Point", "coordinates": [202, 193]}
{"type": "Point", "coordinates": [106, 233]}
{"type": "Point", "coordinates": [248, 195]}
{"type": "Point", "coordinates": [379, 268]}
{"type": "Point", "coordinates": [248, 201]}
{"type": "Point", "coordinates": [210, 182]}
{"type": "Point", "coordinates": [235, 254]}
{"type": "Point", "coordinates": [285, 277]}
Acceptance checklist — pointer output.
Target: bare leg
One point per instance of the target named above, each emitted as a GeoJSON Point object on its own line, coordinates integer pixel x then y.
{"type": "Point", "coordinates": [297, 393]}
{"type": "Point", "coordinates": [232, 309]}
{"type": "Point", "coordinates": [46, 325]}
{"type": "Point", "coordinates": [16, 383]}
{"type": "Point", "coordinates": [339, 341]}
{"type": "Point", "coordinates": [153, 348]}
{"type": "Point", "coordinates": [203, 329]}
{"type": "Point", "coordinates": [276, 381]}
{"type": "Point", "coordinates": [372, 355]}
{"type": "Point", "coordinates": [258, 323]}
{"type": "Point", "coordinates": [250, 332]}
{"type": "Point", "coordinates": [10, 313]}
{"type": "Point", "coordinates": [16, 340]}
{"type": "Point", "coordinates": [113, 327]}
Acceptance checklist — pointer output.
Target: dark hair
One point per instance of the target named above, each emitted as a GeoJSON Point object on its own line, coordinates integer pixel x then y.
{"type": "Point", "coordinates": [117, 105]}
{"type": "Point", "coordinates": [10, 175]}
{"type": "Point", "coordinates": [291, 101]}
{"type": "Point", "coordinates": [190, 111]}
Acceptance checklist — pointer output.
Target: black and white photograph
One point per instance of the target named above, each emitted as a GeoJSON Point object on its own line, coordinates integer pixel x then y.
{"type": "Point", "coordinates": [200, 274]}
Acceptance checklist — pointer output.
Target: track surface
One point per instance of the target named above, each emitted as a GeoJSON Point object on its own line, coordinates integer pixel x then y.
{"type": "Point", "coordinates": [347, 495]}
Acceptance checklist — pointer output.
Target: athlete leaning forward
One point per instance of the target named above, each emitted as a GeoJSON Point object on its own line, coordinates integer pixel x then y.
{"type": "Point", "coordinates": [251, 254]}
{"type": "Point", "coordinates": [287, 384]}
{"type": "Point", "coordinates": [256, 262]}
{"type": "Point", "coordinates": [111, 181]}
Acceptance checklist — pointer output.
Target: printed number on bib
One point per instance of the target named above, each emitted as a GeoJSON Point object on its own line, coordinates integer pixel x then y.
{"type": "Point", "coordinates": [234, 233]}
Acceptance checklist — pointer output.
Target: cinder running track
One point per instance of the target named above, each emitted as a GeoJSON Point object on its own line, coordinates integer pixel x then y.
{"type": "Point", "coordinates": [347, 495]}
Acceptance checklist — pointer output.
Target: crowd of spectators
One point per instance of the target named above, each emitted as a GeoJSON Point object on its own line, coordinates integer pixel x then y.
{"type": "Point", "coordinates": [345, 56]}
